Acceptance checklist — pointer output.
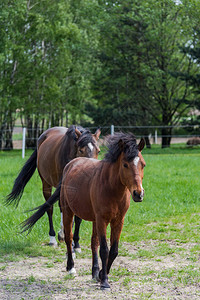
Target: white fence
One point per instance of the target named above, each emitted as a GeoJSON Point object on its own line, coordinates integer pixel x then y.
{"type": "Point", "coordinates": [20, 135]}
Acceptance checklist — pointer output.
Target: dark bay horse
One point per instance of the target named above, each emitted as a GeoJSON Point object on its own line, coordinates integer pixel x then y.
{"type": "Point", "coordinates": [99, 191]}
{"type": "Point", "coordinates": [55, 148]}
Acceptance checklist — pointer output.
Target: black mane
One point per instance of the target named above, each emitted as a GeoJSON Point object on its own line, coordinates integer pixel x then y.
{"type": "Point", "coordinates": [121, 142]}
{"type": "Point", "coordinates": [68, 149]}
{"type": "Point", "coordinates": [85, 138]}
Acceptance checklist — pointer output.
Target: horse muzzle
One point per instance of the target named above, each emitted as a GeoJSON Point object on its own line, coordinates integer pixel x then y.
{"type": "Point", "coordinates": [138, 197]}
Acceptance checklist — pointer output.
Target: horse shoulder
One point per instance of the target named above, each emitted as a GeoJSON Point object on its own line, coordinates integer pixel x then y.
{"type": "Point", "coordinates": [126, 200]}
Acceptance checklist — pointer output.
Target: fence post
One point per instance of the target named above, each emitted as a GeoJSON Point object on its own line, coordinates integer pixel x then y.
{"type": "Point", "coordinates": [112, 129]}
{"type": "Point", "coordinates": [156, 137]}
{"type": "Point", "coordinates": [24, 142]}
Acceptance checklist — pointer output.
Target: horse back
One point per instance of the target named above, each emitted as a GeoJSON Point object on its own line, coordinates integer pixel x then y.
{"type": "Point", "coordinates": [50, 133]}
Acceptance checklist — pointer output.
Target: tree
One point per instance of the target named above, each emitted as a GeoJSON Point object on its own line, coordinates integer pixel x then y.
{"type": "Point", "coordinates": [10, 23]}
{"type": "Point", "coordinates": [141, 51]}
{"type": "Point", "coordinates": [168, 30]}
{"type": "Point", "coordinates": [192, 50]}
{"type": "Point", "coordinates": [47, 62]}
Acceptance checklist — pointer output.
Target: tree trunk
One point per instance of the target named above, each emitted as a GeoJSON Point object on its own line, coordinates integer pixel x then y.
{"type": "Point", "coordinates": [30, 141]}
{"type": "Point", "coordinates": [166, 137]}
{"type": "Point", "coordinates": [8, 137]}
{"type": "Point", "coordinates": [167, 131]}
{"type": "Point", "coordinates": [1, 138]}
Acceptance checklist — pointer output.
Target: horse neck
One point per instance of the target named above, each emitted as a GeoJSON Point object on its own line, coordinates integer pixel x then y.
{"type": "Point", "coordinates": [67, 150]}
{"type": "Point", "coordinates": [112, 175]}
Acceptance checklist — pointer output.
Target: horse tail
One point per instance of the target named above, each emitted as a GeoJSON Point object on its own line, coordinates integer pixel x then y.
{"type": "Point", "coordinates": [30, 222]}
{"type": "Point", "coordinates": [22, 179]}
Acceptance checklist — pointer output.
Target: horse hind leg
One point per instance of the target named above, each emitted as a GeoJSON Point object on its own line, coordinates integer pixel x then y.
{"type": "Point", "coordinates": [47, 194]}
{"type": "Point", "coordinates": [61, 234]}
{"type": "Point", "coordinates": [76, 246]}
{"type": "Point", "coordinates": [94, 247]}
{"type": "Point", "coordinates": [68, 221]}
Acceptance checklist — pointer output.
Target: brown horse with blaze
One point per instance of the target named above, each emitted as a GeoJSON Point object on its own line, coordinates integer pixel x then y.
{"type": "Point", "coordinates": [99, 191]}
{"type": "Point", "coordinates": [55, 148]}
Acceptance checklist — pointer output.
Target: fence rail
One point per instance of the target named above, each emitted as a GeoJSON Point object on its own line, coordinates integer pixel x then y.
{"type": "Point", "coordinates": [180, 134]}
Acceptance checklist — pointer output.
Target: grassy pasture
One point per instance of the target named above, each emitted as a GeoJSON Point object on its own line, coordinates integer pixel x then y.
{"type": "Point", "coordinates": [170, 208]}
{"type": "Point", "coordinates": [165, 224]}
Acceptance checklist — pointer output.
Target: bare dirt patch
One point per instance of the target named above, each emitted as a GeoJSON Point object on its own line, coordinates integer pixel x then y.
{"type": "Point", "coordinates": [132, 277]}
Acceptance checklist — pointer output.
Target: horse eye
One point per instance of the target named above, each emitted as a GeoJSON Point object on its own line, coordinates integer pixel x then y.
{"type": "Point", "coordinates": [125, 165]}
{"type": "Point", "coordinates": [81, 151]}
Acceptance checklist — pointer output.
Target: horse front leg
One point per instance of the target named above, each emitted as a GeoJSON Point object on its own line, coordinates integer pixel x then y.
{"type": "Point", "coordinates": [116, 228]}
{"type": "Point", "coordinates": [101, 230]}
{"type": "Point", "coordinates": [94, 247]}
{"type": "Point", "coordinates": [47, 194]}
{"type": "Point", "coordinates": [77, 222]}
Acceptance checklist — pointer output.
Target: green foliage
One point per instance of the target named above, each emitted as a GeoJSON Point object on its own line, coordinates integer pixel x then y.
{"type": "Point", "coordinates": [140, 52]}
{"type": "Point", "coordinates": [97, 62]}
{"type": "Point", "coordinates": [46, 60]}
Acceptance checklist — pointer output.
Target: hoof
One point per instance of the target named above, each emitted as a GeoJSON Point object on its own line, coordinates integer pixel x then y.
{"type": "Point", "coordinates": [53, 242]}
{"type": "Point", "coordinates": [105, 287]}
{"type": "Point", "coordinates": [78, 250]}
{"type": "Point", "coordinates": [53, 245]}
{"type": "Point", "coordinates": [72, 271]}
{"type": "Point", "coordinates": [104, 283]}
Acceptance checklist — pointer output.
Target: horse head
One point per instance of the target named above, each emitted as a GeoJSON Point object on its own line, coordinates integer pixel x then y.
{"type": "Point", "coordinates": [132, 171]}
{"type": "Point", "coordinates": [87, 143]}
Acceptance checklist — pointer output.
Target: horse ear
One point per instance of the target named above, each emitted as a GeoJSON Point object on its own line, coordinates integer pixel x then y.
{"type": "Point", "coordinates": [97, 134]}
{"type": "Point", "coordinates": [141, 144]}
{"type": "Point", "coordinates": [77, 133]}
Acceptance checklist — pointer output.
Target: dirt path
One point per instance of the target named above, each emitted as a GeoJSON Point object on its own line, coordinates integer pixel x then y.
{"type": "Point", "coordinates": [130, 278]}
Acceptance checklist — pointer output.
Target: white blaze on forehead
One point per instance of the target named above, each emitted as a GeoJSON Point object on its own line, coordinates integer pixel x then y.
{"type": "Point", "coordinates": [90, 146]}
{"type": "Point", "coordinates": [136, 160]}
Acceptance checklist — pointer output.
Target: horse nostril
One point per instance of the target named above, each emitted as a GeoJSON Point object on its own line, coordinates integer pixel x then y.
{"type": "Point", "coordinates": [136, 194]}
{"type": "Point", "coordinates": [137, 197]}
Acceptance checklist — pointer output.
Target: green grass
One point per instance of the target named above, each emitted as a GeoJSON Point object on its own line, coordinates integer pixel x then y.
{"type": "Point", "coordinates": [170, 209]}
{"type": "Point", "coordinates": [180, 148]}
{"type": "Point", "coordinates": [160, 237]}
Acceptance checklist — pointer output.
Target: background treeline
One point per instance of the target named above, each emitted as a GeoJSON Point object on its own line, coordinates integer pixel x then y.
{"type": "Point", "coordinates": [98, 63]}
